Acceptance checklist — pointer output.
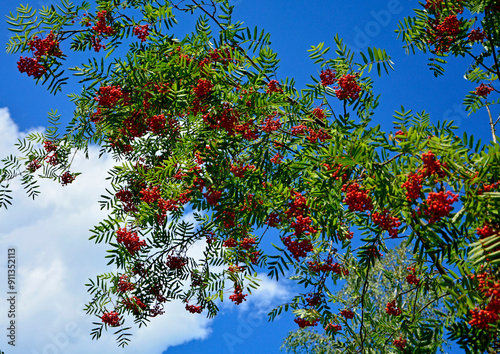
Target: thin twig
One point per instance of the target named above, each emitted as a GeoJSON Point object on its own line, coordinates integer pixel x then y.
{"type": "Point", "coordinates": [362, 326]}
{"type": "Point", "coordinates": [492, 125]}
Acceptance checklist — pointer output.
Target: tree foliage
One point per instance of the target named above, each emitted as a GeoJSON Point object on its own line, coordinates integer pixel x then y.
{"type": "Point", "coordinates": [202, 124]}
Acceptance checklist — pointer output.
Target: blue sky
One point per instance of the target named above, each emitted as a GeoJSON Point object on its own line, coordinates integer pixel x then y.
{"type": "Point", "coordinates": [55, 258]}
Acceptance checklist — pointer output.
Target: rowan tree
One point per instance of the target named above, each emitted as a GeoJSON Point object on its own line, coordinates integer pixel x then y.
{"type": "Point", "coordinates": [203, 124]}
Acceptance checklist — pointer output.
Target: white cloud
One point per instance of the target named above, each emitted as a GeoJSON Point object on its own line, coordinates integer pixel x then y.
{"type": "Point", "coordinates": [55, 260]}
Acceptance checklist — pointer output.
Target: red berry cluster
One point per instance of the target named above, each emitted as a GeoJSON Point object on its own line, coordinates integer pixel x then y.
{"type": "Point", "coordinates": [338, 171]}
{"type": "Point", "coordinates": [108, 96]}
{"type": "Point", "coordinates": [490, 289]}
{"type": "Point", "coordinates": [399, 343]}
{"type": "Point", "coordinates": [299, 129]}
{"type": "Point", "coordinates": [444, 33]}
{"type": "Point", "coordinates": [487, 188]}
{"type": "Point", "coordinates": [213, 197]}
{"type": "Point", "coordinates": [112, 319]}
{"type": "Point", "coordinates": [412, 278]}
{"type": "Point", "coordinates": [175, 262]}
{"type": "Point", "coordinates": [392, 308]}
{"type": "Point", "coordinates": [150, 196]}
{"type": "Point", "coordinates": [239, 171]}
{"type": "Point", "coordinates": [387, 222]}
{"type": "Point", "coordinates": [432, 166]}
{"type": "Point", "coordinates": [313, 300]}
{"type": "Point", "coordinates": [31, 66]}
{"type": "Point", "coordinates": [331, 327]}
{"type": "Point", "coordinates": [52, 158]}
{"type": "Point", "coordinates": [156, 124]}
{"type": "Point", "coordinates": [33, 165]}
{"type": "Point", "coordinates": [271, 124]}
{"type": "Point", "coordinates": [483, 90]}
{"type": "Point", "coordinates": [327, 77]}
{"type": "Point", "coordinates": [135, 304]}
{"type": "Point", "coordinates": [203, 88]}
{"type": "Point", "coordinates": [277, 159]}
{"type": "Point", "coordinates": [477, 35]}
{"type": "Point", "coordinates": [157, 310]}
{"type": "Point", "coordinates": [302, 225]}
{"type": "Point", "coordinates": [327, 266]}
{"type": "Point", "coordinates": [373, 252]}
{"type": "Point", "coordinates": [101, 26]}
{"type": "Point", "coordinates": [222, 55]}
{"type": "Point", "coordinates": [438, 205]}
{"type": "Point", "coordinates": [315, 135]}
{"type": "Point", "coordinates": [141, 31]}
{"type": "Point", "coordinates": [67, 178]}
{"type": "Point", "coordinates": [228, 219]}
{"type": "Point", "coordinates": [126, 198]}
{"type": "Point", "coordinates": [413, 186]}
{"type": "Point", "coordinates": [48, 46]}
{"type": "Point", "coordinates": [318, 113]}
{"type": "Point", "coordinates": [226, 119]}
{"type": "Point", "coordinates": [297, 208]}
{"type": "Point", "coordinates": [273, 86]}
{"type": "Point", "coordinates": [247, 243]}
{"type": "Point", "coordinates": [348, 88]}
{"type": "Point", "coordinates": [247, 130]}
{"type": "Point", "coordinates": [302, 322]}
{"type": "Point", "coordinates": [298, 249]}
{"type": "Point", "coordinates": [102, 29]}
{"type": "Point", "coordinates": [49, 146]}
{"type": "Point", "coordinates": [238, 296]}
{"type": "Point", "coordinates": [234, 268]}
{"type": "Point", "coordinates": [124, 285]}
{"type": "Point", "coordinates": [347, 314]}
{"type": "Point", "coordinates": [193, 308]}
{"type": "Point", "coordinates": [487, 230]}
{"type": "Point", "coordinates": [399, 135]}
{"type": "Point", "coordinates": [355, 198]}
{"type": "Point", "coordinates": [130, 240]}
{"type": "Point", "coordinates": [273, 220]}
{"type": "Point", "coordinates": [230, 242]}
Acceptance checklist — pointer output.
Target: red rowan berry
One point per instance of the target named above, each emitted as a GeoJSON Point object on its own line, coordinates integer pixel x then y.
{"type": "Point", "coordinates": [483, 90]}
{"type": "Point", "coordinates": [327, 77]}
{"type": "Point", "coordinates": [347, 314]}
{"type": "Point", "coordinates": [273, 86]}
{"type": "Point", "coordinates": [124, 285]}
{"type": "Point", "coordinates": [356, 199]}
{"type": "Point", "coordinates": [130, 240]}
{"type": "Point", "coordinates": [237, 296]}
{"type": "Point", "coordinates": [477, 35]}
{"type": "Point", "coordinates": [306, 323]}
{"type": "Point", "coordinates": [333, 327]}
{"type": "Point", "coordinates": [348, 87]}
{"type": "Point", "coordinates": [399, 343]}
{"type": "Point", "coordinates": [135, 304]}
{"type": "Point", "coordinates": [175, 262]}
{"type": "Point", "coordinates": [392, 308]}
{"type": "Point", "coordinates": [112, 319]}
{"type": "Point", "coordinates": [203, 88]}
{"type": "Point", "coordinates": [31, 67]}
{"type": "Point", "coordinates": [194, 308]}
{"type": "Point", "coordinates": [67, 178]}
{"type": "Point", "coordinates": [141, 31]}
